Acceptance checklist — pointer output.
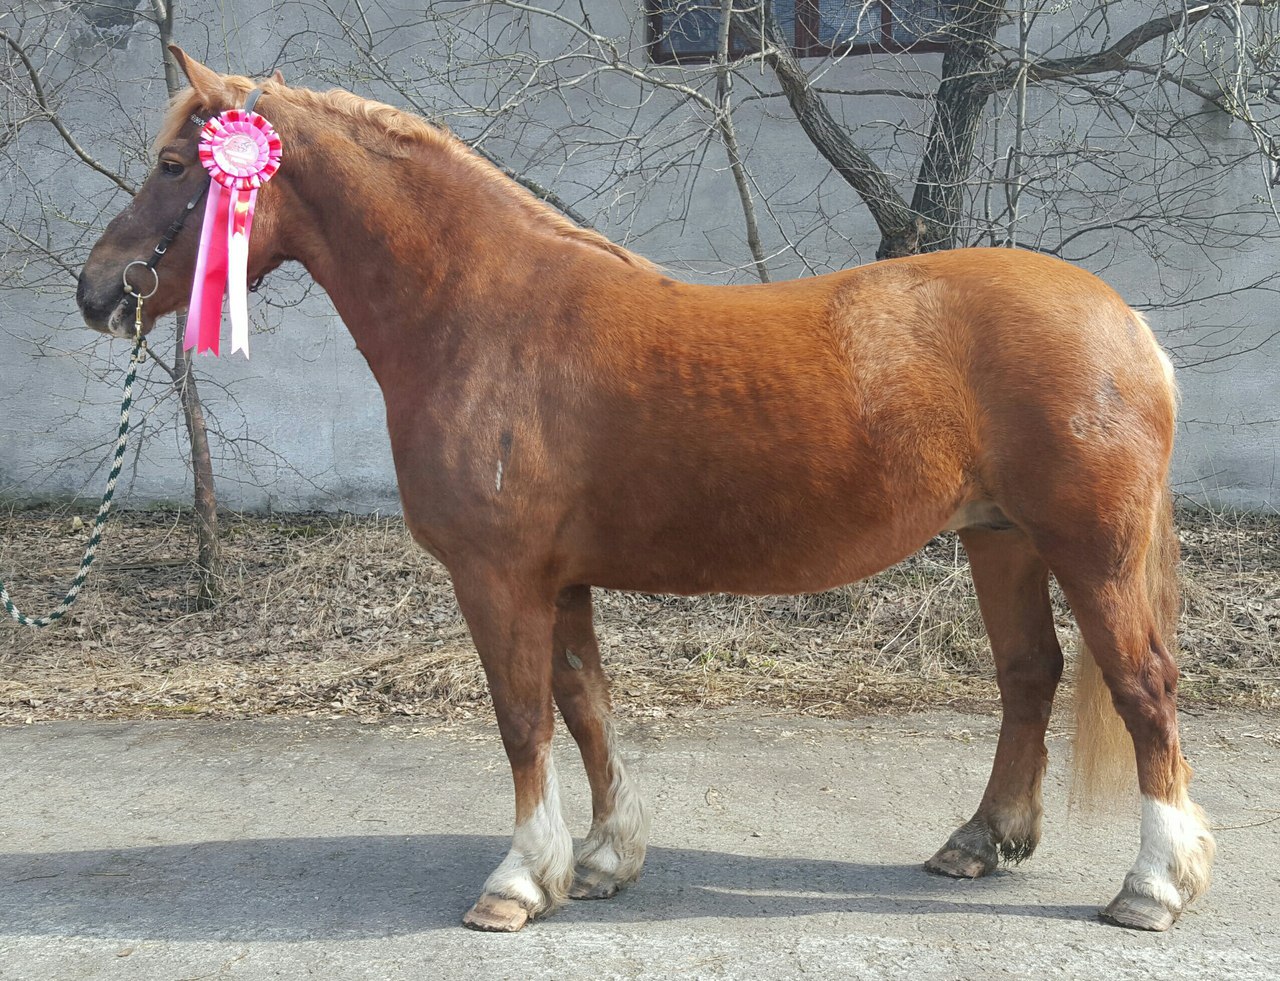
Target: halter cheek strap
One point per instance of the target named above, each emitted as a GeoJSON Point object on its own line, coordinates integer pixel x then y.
{"type": "Point", "coordinates": [172, 232]}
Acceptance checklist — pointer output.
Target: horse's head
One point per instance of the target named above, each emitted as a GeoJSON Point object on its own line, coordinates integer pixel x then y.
{"type": "Point", "coordinates": [176, 182]}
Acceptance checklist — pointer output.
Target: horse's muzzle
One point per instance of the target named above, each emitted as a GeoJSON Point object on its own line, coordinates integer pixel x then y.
{"type": "Point", "coordinates": [96, 304]}
{"type": "Point", "coordinates": [105, 308]}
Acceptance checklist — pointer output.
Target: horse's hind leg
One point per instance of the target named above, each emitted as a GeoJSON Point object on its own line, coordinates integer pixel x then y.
{"type": "Point", "coordinates": [1012, 582]}
{"type": "Point", "coordinates": [1117, 616]}
{"type": "Point", "coordinates": [613, 852]}
{"type": "Point", "coordinates": [511, 624]}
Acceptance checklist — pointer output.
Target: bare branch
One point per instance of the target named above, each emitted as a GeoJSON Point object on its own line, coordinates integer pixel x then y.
{"type": "Point", "coordinates": [1114, 58]}
{"type": "Point", "coordinates": [38, 90]}
{"type": "Point", "coordinates": [897, 222]}
{"type": "Point", "coordinates": [724, 120]}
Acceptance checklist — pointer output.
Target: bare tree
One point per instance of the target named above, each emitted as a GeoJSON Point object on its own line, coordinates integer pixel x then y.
{"type": "Point", "coordinates": [34, 100]}
{"type": "Point", "coordinates": [208, 554]}
{"type": "Point", "coordinates": [977, 68]}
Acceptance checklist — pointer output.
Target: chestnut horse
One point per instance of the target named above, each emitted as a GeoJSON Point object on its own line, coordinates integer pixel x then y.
{"type": "Point", "coordinates": [563, 415]}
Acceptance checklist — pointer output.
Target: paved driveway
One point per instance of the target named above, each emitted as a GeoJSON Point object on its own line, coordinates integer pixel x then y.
{"type": "Point", "coordinates": [782, 847]}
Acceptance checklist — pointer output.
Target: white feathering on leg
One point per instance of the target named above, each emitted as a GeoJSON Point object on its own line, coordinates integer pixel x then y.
{"type": "Point", "coordinates": [1175, 856]}
{"type": "Point", "coordinates": [616, 844]}
{"type": "Point", "coordinates": [538, 869]}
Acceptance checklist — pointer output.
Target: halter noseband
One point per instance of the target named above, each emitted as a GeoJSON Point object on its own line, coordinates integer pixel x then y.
{"type": "Point", "coordinates": [176, 226]}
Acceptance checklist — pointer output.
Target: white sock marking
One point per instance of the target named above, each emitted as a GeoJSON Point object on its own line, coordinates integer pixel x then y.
{"type": "Point", "coordinates": [615, 846]}
{"type": "Point", "coordinates": [538, 869]}
{"type": "Point", "coordinates": [1175, 856]}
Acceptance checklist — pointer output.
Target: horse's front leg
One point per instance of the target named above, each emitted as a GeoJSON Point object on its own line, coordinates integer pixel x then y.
{"type": "Point", "coordinates": [612, 855]}
{"type": "Point", "coordinates": [511, 624]}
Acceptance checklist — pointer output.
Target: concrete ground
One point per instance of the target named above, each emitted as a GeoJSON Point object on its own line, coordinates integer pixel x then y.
{"type": "Point", "coordinates": [782, 847]}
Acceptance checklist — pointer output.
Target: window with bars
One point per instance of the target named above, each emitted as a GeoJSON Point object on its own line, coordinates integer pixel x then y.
{"type": "Point", "coordinates": [686, 30]}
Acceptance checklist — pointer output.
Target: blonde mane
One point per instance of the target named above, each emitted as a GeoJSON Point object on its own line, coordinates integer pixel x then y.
{"type": "Point", "coordinates": [393, 132]}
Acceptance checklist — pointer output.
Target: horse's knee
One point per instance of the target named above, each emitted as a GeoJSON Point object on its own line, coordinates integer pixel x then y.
{"type": "Point", "coordinates": [1028, 687]}
{"type": "Point", "coordinates": [526, 737]}
{"type": "Point", "coordinates": [1142, 681]}
{"type": "Point", "coordinates": [582, 696]}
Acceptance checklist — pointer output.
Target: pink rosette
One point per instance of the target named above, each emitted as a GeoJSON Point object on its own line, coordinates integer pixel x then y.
{"type": "Point", "coordinates": [241, 152]}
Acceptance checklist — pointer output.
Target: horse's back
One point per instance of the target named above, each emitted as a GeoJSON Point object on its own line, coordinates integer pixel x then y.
{"type": "Point", "coordinates": [827, 427]}
{"type": "Point", "coordinates": [990, 365]}
{"type": "Point", "coordinates": [784, 437]}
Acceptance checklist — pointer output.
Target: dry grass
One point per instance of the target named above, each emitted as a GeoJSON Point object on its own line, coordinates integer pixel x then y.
{"type": "Point", "coordinates": [344, 616]}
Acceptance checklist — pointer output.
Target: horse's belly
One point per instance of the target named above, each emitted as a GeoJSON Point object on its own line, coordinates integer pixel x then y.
{"type": "Point", "coordinates": [749, 552]}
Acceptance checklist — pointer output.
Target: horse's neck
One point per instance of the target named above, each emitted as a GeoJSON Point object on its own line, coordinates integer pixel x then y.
{"type": "Point", "coordinates": [412, 252]}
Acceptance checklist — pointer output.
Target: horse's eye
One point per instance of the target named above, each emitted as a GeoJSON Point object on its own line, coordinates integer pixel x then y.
{"type": "Point", "coordinates": [172, 168]}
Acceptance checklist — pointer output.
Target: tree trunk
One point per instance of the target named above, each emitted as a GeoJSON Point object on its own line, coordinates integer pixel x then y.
{"type": "Point", "coordinates": [902, 229]}
{"type": "Point", "coordinates": [930, 221]}
{"type": "Point", "coordinates": [724, 119]}
{"type": "Point", "coordinates": [958, 108]}
{"type": "Point", "coordinates": [208, 549]}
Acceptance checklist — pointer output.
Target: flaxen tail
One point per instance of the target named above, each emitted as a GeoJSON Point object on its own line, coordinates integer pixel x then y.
{"type": "Point", "coordinates": [1102, 750]}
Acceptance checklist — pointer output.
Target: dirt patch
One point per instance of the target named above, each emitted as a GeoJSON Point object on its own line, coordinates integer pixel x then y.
{"type": "Point", "coordinates": [344, 616]}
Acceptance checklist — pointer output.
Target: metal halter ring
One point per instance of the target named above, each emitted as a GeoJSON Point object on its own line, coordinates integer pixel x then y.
{"type": "Point", "coordinates": [129, 288]}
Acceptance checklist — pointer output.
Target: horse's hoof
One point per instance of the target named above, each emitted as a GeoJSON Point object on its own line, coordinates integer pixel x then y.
{"type": "Point", "coordinates": [959, 864]}
{"type": "Point", "coordinates": [1139, 912]}
{"type": "Point", "coordinates": [496, 914]}
{"type": "Point", "coordinates": [590, 883]}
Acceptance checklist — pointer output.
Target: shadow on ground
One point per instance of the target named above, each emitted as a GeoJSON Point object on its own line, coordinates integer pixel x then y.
{"type": "Point", "coordinates": [373, 886]}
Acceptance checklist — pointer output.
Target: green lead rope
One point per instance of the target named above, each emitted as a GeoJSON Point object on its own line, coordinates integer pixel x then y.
{"type": "Point", "coordinates": [103, 509]}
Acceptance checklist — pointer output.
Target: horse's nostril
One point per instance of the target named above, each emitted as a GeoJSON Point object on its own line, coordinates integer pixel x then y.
{"type": "Point", "coordinates": [95, 305]}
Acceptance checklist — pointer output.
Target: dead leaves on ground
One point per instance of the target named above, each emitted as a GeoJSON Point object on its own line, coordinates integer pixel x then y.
{"type": "Point", "coordinates": [341, 616]}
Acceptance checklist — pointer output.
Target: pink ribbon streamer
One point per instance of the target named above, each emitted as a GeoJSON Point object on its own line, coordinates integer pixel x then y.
{"type": "Point", "coordinates": [204, 312]}
{"type": "Point", "coordinates": [241, 212]}
{"type": "Point", "coordinates": [241, 152]}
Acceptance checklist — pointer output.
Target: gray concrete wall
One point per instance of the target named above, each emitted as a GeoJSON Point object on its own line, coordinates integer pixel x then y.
{"type": "Point", "coordinates": [300, 425]}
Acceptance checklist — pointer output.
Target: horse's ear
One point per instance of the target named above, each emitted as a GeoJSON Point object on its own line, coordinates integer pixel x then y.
{"type": "Point", "coordinates": [207, 83]}
{"type": "Point", "coordinates": [277, 76]}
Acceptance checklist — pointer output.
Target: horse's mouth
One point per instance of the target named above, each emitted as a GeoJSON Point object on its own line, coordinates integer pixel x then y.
{"type": "Point", "coordinates": [108, 308]}
{"type": "Point", "coordinates": [121, 321]}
